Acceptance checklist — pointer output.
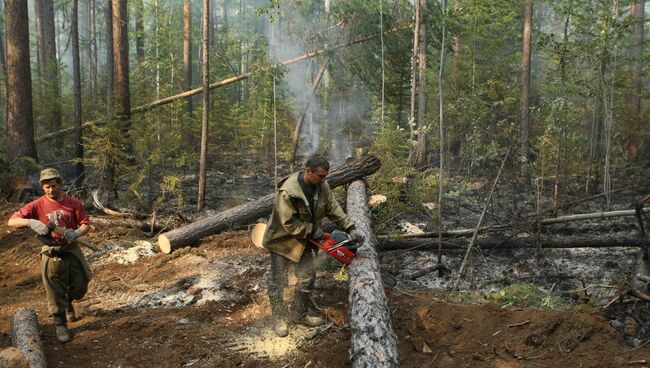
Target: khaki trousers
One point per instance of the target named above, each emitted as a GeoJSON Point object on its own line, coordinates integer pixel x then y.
{"type": "Point", "coordinates": [64, 281]}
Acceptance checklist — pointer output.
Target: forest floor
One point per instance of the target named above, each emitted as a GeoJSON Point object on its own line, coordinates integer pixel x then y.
{"type": "Point", "coordinates": [206, 306]}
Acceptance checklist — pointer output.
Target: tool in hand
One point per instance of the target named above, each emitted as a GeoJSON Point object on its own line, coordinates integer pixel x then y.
{"type": "Point", "coordinates": [339, 245]}
{"type": "Point", "coordinates": [47, 239]}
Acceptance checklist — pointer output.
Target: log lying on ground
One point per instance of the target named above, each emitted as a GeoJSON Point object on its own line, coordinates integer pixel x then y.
{"type": "Point", "coordinates": [126, 222]}
{"type": "Point", "coordinates": [249, 212]}
{"type": "Point", "coordinates": [26, 338]}
{"type": "Point", "coordinates": [374, 343]}
{"type": "Point", "coordinates": [515, 243]}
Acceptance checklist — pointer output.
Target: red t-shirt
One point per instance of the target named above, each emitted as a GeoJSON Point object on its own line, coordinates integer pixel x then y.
{"type": "Point", "coordinates": [67, 213]}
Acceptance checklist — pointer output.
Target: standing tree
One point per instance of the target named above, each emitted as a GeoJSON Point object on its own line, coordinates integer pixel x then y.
{"type": "Point", "coordinates": [20, 116]}
{"type": "Point", "coordinates": [414, 68]}
{"type": "Point", "coordinates": [420, 157]}
{"type": "Point", "coordinates": [200, 203]}
{"type": "Point", "coordinates": [187, 68]}
{"type": "Point", "coordinates": [76, 88]}
{"type": "Point", "coordinates": [47, 63]}
{"type": "Point", "coordinates": [637, 84]}
{"type": "Point", "coordinates": [139, 31]}
{"type": "Point", "coordinates": [110, 58]}
{"type": "Point", "coordinates": [525, 86]}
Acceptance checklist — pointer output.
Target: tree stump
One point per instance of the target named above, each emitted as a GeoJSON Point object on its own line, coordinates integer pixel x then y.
{"type": "Point", "coordinates": [374, 343]}
{"type": "Point", "coordinates": [249, 212]}
{"type": "Point", "coordinates": [25, 336]}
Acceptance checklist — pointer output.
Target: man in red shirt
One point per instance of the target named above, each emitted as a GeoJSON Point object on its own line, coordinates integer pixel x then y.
{"type": "Point", "coordinates": [64, 269]}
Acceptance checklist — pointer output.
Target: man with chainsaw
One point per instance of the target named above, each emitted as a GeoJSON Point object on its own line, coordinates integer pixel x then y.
{"type": "Point", "coordinates": [302, 200]}
{"type": "Point", "coordinates": [64, 269]}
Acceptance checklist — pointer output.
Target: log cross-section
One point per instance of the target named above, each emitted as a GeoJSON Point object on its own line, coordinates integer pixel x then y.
{"type": "Point", "coordinates": [374, 343]}
{"type": "Point", "coordinates": [25, 336]}
{"type": "Point", "coordinates": [249, 212]}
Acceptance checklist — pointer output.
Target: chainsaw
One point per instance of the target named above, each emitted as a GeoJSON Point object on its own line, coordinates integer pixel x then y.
{"type": "Point", "coordinates": [339, 245]}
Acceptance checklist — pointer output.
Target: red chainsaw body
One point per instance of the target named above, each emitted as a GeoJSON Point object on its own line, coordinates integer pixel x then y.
{"type": "Point", "coordinates": [336, 249]}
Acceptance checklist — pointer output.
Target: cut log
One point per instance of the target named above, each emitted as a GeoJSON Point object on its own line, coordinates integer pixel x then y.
{"type": "Point", "coordinates": [514, 243]}
{"type": "Point", "coordinates": [249, 212]}
{"type": "Point", "coordinates": [374, 343]}
{"type": "Point", "coordinates": [12, 358]}
{"type": "Point", "coordinates": [25, 336]}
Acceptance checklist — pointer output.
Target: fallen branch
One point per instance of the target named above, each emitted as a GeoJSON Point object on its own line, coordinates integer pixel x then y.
{"type": "Point", "coordinates": [426, 271]}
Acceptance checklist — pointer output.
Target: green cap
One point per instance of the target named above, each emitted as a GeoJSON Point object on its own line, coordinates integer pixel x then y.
{"type": "Point", "coordinates": [49, 174]}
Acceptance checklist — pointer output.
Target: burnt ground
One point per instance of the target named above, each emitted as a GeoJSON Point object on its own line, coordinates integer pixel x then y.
{"type": "Point", "coordinates": [207, 307]}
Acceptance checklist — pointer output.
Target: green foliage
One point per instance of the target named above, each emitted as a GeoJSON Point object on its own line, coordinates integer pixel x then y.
{"type": "Point", "coordinates": [523, 296]}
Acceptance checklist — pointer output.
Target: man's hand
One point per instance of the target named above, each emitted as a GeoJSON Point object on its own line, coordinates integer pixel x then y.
{"type": "Point", "coordinates": [356, 236]}
{"type": "Point", "coordinates": [318, 234]}
{"type": "Point", "coordinates": [38, 227]}
{"type": "Point", "coordinates": [70, 235]}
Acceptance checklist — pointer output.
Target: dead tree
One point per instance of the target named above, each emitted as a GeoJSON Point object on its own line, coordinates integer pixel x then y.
{"type": "Point", "coordinates": [26, 338]}
{"type": "Point", "coordinates": [374, 343]}
{"type": "Point", "coordinates": [250, 212]}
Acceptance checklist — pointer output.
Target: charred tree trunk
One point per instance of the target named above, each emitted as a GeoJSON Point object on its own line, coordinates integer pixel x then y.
{"type": "Point", "coordinates": [20, 114]}
{"type": "Point", "coordinates": [76, 87]}
{"type": "Point", "coordinates": [637, 83]}
{"type": "Point", "coordinates": [121, 55]}
{"type": "Point", "coordinates": [250, 212]}
{"type": "Point", "coordinates": [374, 343]}
{"type": "Point", "coordinates": [420, 157]}
{"type": "Point", "coordinates": [25, 334]}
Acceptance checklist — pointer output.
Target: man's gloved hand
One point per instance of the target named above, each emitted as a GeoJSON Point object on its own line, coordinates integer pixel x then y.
{"type": "Point", "coordinates": [70, 235]}
{"type": "Point", "coordinates": [317, 234]}
{"type": "Point", "coordinates": [38, 227]}
{"type": "Point", "coordinates": [356, 236]}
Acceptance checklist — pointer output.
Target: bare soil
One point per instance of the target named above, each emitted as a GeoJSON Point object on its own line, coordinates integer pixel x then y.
{"type": "Point", "coordinates": [207, 307]}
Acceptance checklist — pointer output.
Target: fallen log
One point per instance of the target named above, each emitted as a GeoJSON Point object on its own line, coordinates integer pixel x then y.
{"type": "Point", "coordinates": [515, 243]}
{"type": "Point", "coordinates": [374, 343]}
{"type": "Point", "coordinates": [250, 212]}
{"type": "Point", "coordinates": [26, 338]}
{"type": "Point", "coordinates": [591, 216]}
{"type": "Point", "coordinates": [126, 222]}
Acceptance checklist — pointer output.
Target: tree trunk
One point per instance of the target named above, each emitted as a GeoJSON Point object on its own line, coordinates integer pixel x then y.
{"type": "Point", "coordinates": [637, 83]}
{"type": "Point", "coordinates": [374, 343]}
{"type": "Point", "coordinates": [460, 244]}
{"type": "Point", "coordinates": [25, 331]}
{"type": "Point", "coordinates": [187, 68]}
{"type": "Point", "coordinates": [20, 115]}
{"type": "Point", "coordinates": [121, 56]}
{"type": "Point", "coordinates": [252, 211]}
{"type": "Point", "coordinates": [139, 31]}
{"type": "Point", "coordinates": [420, 159]}
{"type": "Point", "coordinates": [49, 68]}
{"type": "Point", "coordinates": [414, 68]}
{"type": "Point", "coordinates": [76, 87]}
{"type": "Point", "coordinates": [525, 86]}
{"type": "Point", "coordinates": [110, 58]}
{"type": "Point", "coordinates": [200, 203]}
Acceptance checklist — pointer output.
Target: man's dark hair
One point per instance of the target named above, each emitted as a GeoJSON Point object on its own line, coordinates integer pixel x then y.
{"type": "Point", "coordinates": [317, 160]}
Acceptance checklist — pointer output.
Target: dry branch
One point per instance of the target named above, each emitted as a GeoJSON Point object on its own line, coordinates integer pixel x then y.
{"type": "Point", "coordinates": [250, 212]}
{"type": "Point", "coordinates": [25, 336]}
{"type": "Point", "coordinates": [374, 343]}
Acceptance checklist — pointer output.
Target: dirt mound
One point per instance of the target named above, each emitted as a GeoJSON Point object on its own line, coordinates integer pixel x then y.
{"type": "Point", "coordinates": [207, 307]}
